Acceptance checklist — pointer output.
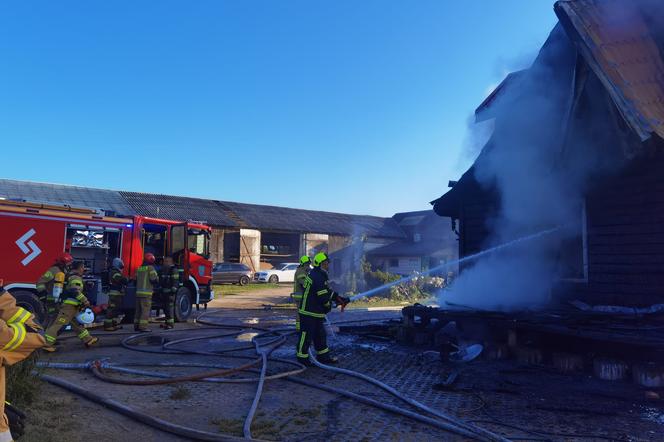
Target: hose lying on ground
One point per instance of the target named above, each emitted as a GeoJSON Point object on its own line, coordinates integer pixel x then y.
{"type": "Point", "coordinates": [135, 414]}
{"type": "Point", "coordinates": [452, 425]}
{"type": "Point", "coordinates": [472, 428]}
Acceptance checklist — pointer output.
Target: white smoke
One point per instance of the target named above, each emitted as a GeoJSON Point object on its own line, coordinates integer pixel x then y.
{"type": "Point", "coordinates": [540, 176]}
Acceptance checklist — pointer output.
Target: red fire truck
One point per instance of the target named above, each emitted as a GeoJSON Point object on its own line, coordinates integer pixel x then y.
{"type": "Point", "coordinates": [32, 235]}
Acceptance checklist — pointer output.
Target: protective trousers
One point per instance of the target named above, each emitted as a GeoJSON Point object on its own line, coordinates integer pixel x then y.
{"type": "Point", "coordinates": [142, 313]}
{"type": "Point", "coordinates": [297, 299]}
{"type": "Point", "coordinates": [113, 311]}
{"type": "Point", "coordinates": [311, 330]}
{"type": "Point", "coordinates": [66, 316]}
{"type": "Point", "coordinates": [167, 301]}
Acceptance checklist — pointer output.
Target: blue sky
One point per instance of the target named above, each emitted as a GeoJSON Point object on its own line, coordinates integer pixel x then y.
{"type": "Point", "coordinates": [353, 106]}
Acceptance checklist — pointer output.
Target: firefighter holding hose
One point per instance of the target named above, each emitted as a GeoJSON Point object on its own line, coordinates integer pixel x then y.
{"type": "Point", "coordinates": [298, 285]}
{"type": "Point", "coordinates": [74, 300]}
{"type": "Point", "coordinates": [19, 337]}
{"type": "Point", "coordinates": [317, 301]}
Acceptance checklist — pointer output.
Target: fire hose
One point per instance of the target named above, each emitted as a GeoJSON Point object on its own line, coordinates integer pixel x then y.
{"type": "Point", "coordinates": [99, 370]}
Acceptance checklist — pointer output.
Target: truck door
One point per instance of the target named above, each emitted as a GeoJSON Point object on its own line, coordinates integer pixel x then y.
{"type": "Point", "coordinates": [178, 245]}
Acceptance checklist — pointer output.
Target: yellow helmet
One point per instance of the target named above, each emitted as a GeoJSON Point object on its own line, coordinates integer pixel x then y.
{"type": "Point", "coordinates": [320, 258]}
{"type": "Point", "coordinates": [305, 260]}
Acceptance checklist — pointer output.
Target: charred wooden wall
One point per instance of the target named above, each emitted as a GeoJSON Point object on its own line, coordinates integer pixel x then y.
{"type": "Point", "coordinates": [625, 225]}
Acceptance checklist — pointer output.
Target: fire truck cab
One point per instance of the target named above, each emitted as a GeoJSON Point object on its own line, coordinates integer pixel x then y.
{"type": "Point", "coordinates": [33, 235]}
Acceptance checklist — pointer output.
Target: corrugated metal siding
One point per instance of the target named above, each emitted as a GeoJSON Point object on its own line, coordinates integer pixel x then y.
{"type": "Point", "coordinates": [62, 194]}
{"type": "Point", "coordinates": [616, 42]}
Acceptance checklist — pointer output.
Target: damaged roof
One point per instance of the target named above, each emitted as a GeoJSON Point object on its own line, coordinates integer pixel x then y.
{"type": "Point", "coordinates": [621, 49]}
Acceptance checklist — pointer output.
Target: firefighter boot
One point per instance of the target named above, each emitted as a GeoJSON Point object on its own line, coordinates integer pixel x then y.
{"type": "Point", "coordinates": [327, 359]}
{"type": "Point", "coordinates": [92, 342]}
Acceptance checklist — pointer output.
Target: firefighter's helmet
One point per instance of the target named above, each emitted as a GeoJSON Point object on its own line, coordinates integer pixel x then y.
{"type": "Point", "coordinates": [305, 260]}
{"type": "Point", "coordinates": [117, 263]}
{"type": "Point", "coordinates": [64, 260]}
{"type": "Point", "coordinates": [320, 258]}
{"type": "Point", "coordinates": [149, 258]}
{"type": "Point", "coordinates": [85, 317]}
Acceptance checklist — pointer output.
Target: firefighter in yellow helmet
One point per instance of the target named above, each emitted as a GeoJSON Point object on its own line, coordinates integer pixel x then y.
{"type": "Point", "coordinates": [74, 300]}
{"type": "Point", "coordinates": [298, 285]}
{"type": "Point", "coordinates": [316, 302]}
{"type": "Point", "coordinates": [147, 281]}
{"type": "Point", "coordinates": [19, 336]}
{"type": "Point", "coordinates": [51, 284]}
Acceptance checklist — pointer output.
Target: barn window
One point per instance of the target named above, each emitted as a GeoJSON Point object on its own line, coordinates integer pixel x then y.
{"type": "Point", "coordinates": [573, 256]}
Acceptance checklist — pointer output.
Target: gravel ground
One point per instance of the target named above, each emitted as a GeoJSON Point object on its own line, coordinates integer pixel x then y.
{"type": "Point", "coordinates": [533, 398]}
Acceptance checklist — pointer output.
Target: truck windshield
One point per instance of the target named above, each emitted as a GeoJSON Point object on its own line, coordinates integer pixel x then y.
{"type": "Point", "coordinates": [198, 242]}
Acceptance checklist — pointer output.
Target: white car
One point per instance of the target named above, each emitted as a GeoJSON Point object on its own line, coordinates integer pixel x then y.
{"type": "Point", "coordinates": [282, 273]}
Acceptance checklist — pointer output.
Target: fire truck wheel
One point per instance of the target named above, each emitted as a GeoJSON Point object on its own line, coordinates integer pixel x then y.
{"type": "Point", "coordinates": [182, 304]}
{"type": "Point", "coordinates": [30, 302]}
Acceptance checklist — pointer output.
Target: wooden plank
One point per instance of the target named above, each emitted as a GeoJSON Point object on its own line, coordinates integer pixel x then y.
{"type": "Point", "coordinates": [620, 259]}
{"type": "Point", "coordinates": [618, 240]}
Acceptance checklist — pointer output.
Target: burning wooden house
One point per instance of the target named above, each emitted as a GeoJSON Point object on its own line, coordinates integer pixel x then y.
{"type": "Point", "coordinates": [578, 140]}
{"type": "Point", "coordinates": [561, 217]}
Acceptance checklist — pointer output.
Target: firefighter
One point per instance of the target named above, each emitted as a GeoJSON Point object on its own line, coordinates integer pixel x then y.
{"type": "Point", "coordinates": [169, 283]}
{"type": "Point", "coordinates": [74, 300]}
{"type": "Point", "coordinates": [51, 284]}
{"type": "Point", "coordinates": [147, 280]}
{"type": "Point", "coordinates": [316, 302]}
{"type": "Point", "coordinates": [298, 285]}
{"type": "Point", "coordinates": [19, 336]}
{"type": "Point", "coordinates": [118, 283]}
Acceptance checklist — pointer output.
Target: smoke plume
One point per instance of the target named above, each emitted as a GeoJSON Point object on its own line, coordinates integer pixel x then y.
{"type": "Point", "coordinates": [540, 161]}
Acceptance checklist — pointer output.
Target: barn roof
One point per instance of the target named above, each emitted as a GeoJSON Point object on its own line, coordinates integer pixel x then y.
{"type": "Point", "coordinates": [180, 208]}
{"type": "Point", "coordinates": [88, 197]}
{"type": "Point", "coordinates": [313, 221]}
{"type": "Point", "coordinates": [213, 212]}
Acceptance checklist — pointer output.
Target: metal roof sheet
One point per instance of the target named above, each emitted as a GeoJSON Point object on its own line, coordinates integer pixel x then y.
{"type": "Point", "coordinates": [313, 221]}
{"type": "Point", "coordinates": [617, 43]}
{"type": "Point", "coordinates": [213, 212]}
{"type": "Point", "coordinates": [63, 194]}
{"type": "Point", "coordinates": [179, 208]}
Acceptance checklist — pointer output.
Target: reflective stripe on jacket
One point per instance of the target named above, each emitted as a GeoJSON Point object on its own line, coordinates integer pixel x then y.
{"type": "Point", "coordinates": [74, 292]}
{"type": "Point", "coordinates": [298, 281]}
{"type": "Point", "coordinates": [146, 280]}
{"type": "Point", "coordinates": [52, 279]}
{"type": "Point", "coordinates": [317, 297]}
{"type": "Point", "coordinates": [16, 342]}
{"type": "Point", "coordinates": [117, 282]}
{"type": "Point", "coordinates": [169, 279]}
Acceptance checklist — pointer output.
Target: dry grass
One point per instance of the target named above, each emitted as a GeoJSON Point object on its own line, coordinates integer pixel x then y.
{"type": "Point", "coordinates": [22, 384]}
{"type": "Point", "coordinates": [180, 393]}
